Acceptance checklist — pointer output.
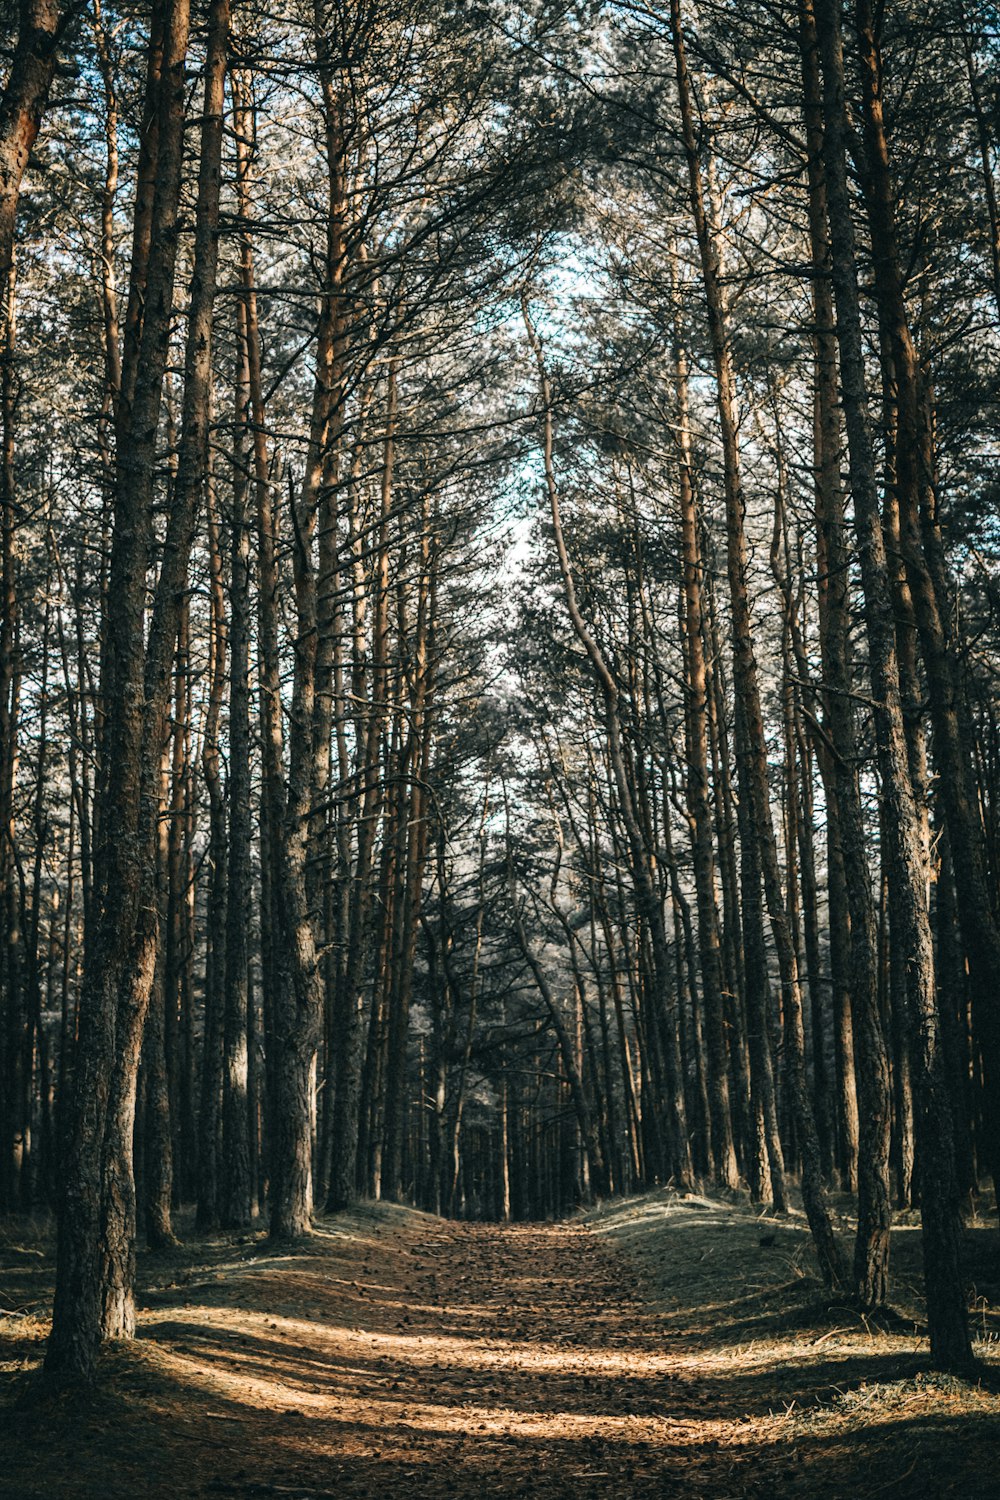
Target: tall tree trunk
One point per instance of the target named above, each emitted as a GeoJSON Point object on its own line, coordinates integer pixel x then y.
{"type": "Point", "coordinates": [157, 1164]}
{"type": "Point", "coordinates": [210, 1093]}
{"type": "Point", "coordinates": [273, 792]}
{"type": "Point", "coordinates": [745, 681]}
{"type": "Point", "coordinates": [32, 68]}
{"type": "Point", "coordinates": [871, 1260]}
{"type": "Point", "coordinates": [139, 690]}
{"type": "Point", "coordinates": [21, 108]}
{"type": "Point", "coordinates": [923, 551]}
{"type": "Point", "coordinates": [347, 1107]}
{"type": "Point", "coordinates": [13, 1000]}
{"type": "Point", "coordinates": [947, 1314]}
{"type": "Point", "coordinates": [723, 1149]}
{"type": "Point", "coordinates": [236, 1196]}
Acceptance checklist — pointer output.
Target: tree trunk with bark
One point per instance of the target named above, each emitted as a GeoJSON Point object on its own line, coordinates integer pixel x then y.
{"type": "Point", "coordinates": [745, 681]}
{"type": "Point", "coordinates": [871, 1260]}
{"type": "Point", "coordinates": [947, 1315]}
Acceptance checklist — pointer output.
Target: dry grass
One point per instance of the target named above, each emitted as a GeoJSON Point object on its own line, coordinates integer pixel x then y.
{"type": "Point", "coordinates": [831, 1403]}
{"type": "Point", "coordinates": [661, 1346]}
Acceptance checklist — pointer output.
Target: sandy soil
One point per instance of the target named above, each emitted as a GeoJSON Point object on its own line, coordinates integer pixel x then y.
{"type": "Point", "coordinates": [662, 1347]}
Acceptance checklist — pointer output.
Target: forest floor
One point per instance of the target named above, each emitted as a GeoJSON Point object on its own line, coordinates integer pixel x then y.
{"type": "Point", "coordinates": [662, 1346]}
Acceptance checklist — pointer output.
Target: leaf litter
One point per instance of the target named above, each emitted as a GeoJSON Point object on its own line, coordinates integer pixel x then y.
{"type": "Point", "coordinates": [668, 1345]}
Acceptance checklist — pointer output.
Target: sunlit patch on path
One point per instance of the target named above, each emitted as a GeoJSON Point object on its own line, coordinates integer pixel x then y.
{"type": "Point", "coordinates": [663, 1347]}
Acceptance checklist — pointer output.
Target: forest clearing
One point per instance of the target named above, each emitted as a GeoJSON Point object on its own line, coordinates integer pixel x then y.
{"type": "Point", "coordinates": [665, 1345]}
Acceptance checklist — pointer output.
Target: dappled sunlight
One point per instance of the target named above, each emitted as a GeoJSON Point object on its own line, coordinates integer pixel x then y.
{"type": "Point", "coordinates": [423, 1351]}
{"type": "Point", "coordinates": [617, 1353]}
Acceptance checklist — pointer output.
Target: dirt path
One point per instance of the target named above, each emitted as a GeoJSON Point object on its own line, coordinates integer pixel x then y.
{"type": "Point", "coordinates": [398, 1355]}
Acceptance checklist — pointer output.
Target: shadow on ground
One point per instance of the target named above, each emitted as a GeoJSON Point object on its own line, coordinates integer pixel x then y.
{"type": "Point", "coordinates": [666, 1346]}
